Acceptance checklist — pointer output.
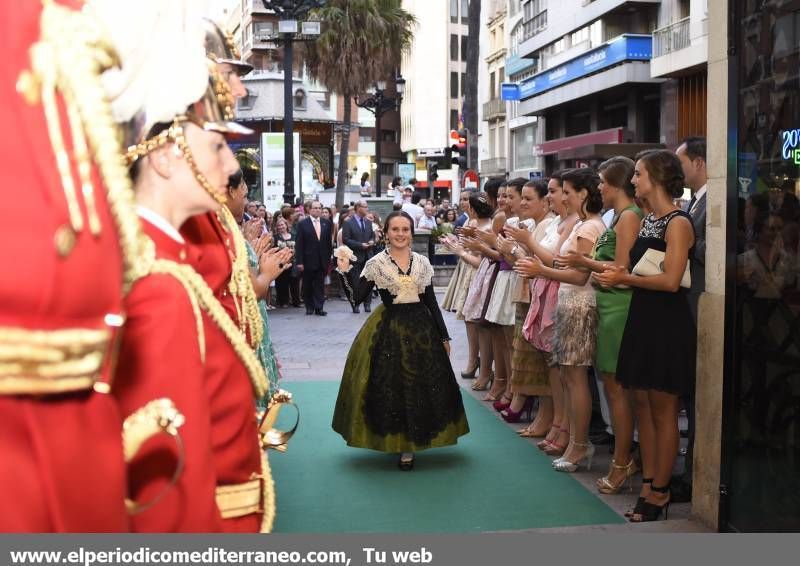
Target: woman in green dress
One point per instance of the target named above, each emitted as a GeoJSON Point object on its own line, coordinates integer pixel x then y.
{"type": "Point", "coordinates": [266, 264]}
{"type": "Point", "coordinates": [613, 248]}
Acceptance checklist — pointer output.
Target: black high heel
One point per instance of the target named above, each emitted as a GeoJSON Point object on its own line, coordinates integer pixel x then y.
{"type": "Point", "coordinates": [651, 511]}
{"type": "Point", "coordinates": [471, 373]}
{"type": "Point", "coordinates": [637, 509]}
{"type": "Point", "coordinates": [406, 461]}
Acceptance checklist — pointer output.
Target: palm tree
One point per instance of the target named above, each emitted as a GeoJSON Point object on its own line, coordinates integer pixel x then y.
{"type": "Point", "coordinates": [362, 41]}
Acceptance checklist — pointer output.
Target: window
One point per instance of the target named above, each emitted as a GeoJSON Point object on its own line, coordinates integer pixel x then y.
{"type": "Point", "coordinates": [453, 11]}
{"type": "Point", "coordinates": [491, 86]}
{"type": "Point", "coordinates": [453, 119]}
{"type": "Point", "coordinates": [247, 101]}
{"type": "Point", "coordinates": [464, 39]}
{"type": "Point", "coordinates": [300, 99]}
{"type": "Point", "coordinates": [453, 47]}
{"type": "Point", "coordinates": [453, 85]}
{"type": "Point", "coordinates": [464, 11]}
{"type": "Point", "coordinates": [534, 17]}
{"type": "Point", "coordinates": [463, 83]}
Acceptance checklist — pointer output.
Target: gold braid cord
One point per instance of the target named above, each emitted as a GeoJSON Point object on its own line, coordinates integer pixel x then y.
{"type": "Point", "coordinates": [200, 294]}
{"type": "Point", "coordinates": [69, 58]}
{"type": "Point", "coordinates": [267, 494]}
{"type": "Point", "coordinates": [241, 284]}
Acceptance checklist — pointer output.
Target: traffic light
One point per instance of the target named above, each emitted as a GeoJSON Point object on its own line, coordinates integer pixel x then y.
{"type": "Point", "coordinates": [433, 172]}
{"type": "Point", "coordinates": [460, 149]}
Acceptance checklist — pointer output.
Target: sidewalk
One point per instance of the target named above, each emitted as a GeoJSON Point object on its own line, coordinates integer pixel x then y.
{"type": "Point", "coordinates": [314, 348]}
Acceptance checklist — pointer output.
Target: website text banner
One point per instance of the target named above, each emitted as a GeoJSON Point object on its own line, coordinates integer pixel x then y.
{"type": "Point", "coordinates": [364, 550]}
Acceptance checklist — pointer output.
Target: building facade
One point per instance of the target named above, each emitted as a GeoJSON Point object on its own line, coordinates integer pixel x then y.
{"type": "Point", "coordinates": [435, 73]}
{"type": "Point", "coordinates": [494, 128]}
{"type": "Point", "coordinates": [255, 30]}
{"type": "Point", "coordinates": [592, 86]}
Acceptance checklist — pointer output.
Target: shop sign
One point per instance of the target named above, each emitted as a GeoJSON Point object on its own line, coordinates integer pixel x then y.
{"type": "Point", "coordinates": [627, 47]}
{"type": "Point", "coordinates": [791, 140]}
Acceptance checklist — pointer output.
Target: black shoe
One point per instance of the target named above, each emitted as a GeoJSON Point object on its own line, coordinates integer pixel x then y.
{"type": "Point", "coordinates": [680, 490]}
{"type": "Point", "coordinates": [309, 311]}
{"type": "Point", "coordinates": [406, 462]}
{"type": "Point", "coordinates": [356, 311]}
{"type": "Point", "coordinates": [320, 312]}
{"type": "Point", "coordinates": [367, 308]}
{"type": "Point", "coordinates": [601, 437]}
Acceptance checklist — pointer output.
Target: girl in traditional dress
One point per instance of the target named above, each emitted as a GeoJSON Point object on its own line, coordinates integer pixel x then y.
{"type": "Point", "coordinates": [398, 392]}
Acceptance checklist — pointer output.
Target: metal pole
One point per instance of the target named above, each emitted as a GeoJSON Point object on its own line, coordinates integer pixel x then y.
{"type": "Point", "coordinates": [378, 148]}
{"type": "Point", "coordinates": [288, 122]}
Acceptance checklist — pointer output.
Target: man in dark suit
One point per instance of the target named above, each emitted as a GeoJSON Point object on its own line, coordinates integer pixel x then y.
{"type": "Point", "coordinates": [692, 154]}
{"type": "Point", "coordinates": [357, 234]}
{"type": "Point", "coordinates": [313, 250]}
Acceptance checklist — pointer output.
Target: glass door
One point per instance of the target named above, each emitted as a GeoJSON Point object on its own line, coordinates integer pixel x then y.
{"type": "Point", "coordinates": [761, 453]}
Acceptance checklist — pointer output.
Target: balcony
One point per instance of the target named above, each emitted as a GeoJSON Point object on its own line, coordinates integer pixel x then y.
{"type": "Point", "coordinates": [533, 26]}
{"type": "Point", "coordinates": [673, 37]}
{"type": "Point", "coordinates": [493, 165]}
{"type": "Point", "coordinates": [494, 109]}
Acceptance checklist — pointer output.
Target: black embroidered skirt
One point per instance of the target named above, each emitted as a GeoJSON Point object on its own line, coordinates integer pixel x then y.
{"type": "Point", "coordinates": [398, 391]}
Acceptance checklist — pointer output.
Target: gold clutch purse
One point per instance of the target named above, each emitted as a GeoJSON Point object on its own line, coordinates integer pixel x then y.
{"type": "Point", "coordinates": [652, 263]}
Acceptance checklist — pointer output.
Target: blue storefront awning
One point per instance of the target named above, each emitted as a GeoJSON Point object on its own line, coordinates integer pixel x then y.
{"type": "Point", "coordinates": [627, 47]}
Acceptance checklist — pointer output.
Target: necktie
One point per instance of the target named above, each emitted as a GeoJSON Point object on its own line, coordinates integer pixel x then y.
{"type": "Point", "coordinates": [316, 227]}
{"type": "Point", "coordinates": [691, 204]}
{"type": "Point", "coordinates": [361, 222]}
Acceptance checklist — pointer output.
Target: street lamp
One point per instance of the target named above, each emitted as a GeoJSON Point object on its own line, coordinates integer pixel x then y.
{"type": "Point", "coordinates": [379, 104]}
{"type": "Point", "coordinates": [289, 13]}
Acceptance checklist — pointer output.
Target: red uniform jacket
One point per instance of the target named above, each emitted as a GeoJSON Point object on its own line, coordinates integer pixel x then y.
{"type": "Point", "coordinates": [234, 431]}
{"type": "Point", "coordinates": [61, 461]}
{"type": "Point", "coordinates": [160, 357]}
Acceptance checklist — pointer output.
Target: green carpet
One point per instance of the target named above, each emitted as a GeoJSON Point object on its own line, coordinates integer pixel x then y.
{"type": "Point", "coordinates": [491, 481]}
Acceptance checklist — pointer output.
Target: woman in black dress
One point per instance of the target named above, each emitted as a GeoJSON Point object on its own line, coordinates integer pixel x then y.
{"type": "Point", "coordinates": [398, 391]}
{"type": "Point", "coordinates": [657, 354]}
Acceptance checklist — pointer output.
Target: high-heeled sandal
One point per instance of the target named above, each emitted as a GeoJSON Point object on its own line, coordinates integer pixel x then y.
{"type": "Point", "coordinates": [470, 374]}
{"type": "Point", "coordinates": [547, 443]}
{"type": "Point", "coordinates": [478, 386]}
{"type": "Point", "coordinates": [496, 396]}
{"type": "Point", "coordinates": [515, 416]}
{"type": "Point", "coordinates": [637, 509]}
{"type": "Point", "coordinates": [527, 432]}
{"type": "Point", "coordinates": [564, 465]}
{"type": "Point", "coordinates": [651, 511]}
{"type": "Point", "coordinates": [502, 404]}
{"type": "Point", "coordinates": [605, 486]}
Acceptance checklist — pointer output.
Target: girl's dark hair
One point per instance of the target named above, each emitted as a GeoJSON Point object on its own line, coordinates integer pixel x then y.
{"type": "Point", "coordinates": [664, 169]}
{"type": "Point", "coordinates": [538, 185]}
{"type": "Point", "coordinates": [492, 187]}
{"type": "Point", "coordinates": [398, 214]}
{"type": "Point", "coordinates": [235, 180]}
{"type": "Point", "coordinates": [480, 204]}
{"type": "Point", "coordinates": [559, 176]}
{"type": "Point", "coordinates": [585, 179]}
{"type": "Point", "coordinates": [618, 172]}
{"type": "Point", "coordinates": [396, 181]}
{"type": "Point", "coordinates": [364, 177]}
{"type": "Point", "coordinates": [517, 184]}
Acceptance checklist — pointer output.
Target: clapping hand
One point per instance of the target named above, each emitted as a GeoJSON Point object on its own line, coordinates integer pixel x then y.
{"type": "Point", "coordinates": [262, 244]}
{"type": "Point", "coordinates": [504, 245]}
{"type": "Point", "coordinates": [611, 276]}
{"type": "Point", "coordinates": [274, 261]}
{"type": "Point", "coordinates": [516, 232]}
{"type": "Point", "coordinates": [468, 231]}
{"type": "Point", "coordinates": [529, 267]}
{"type": "Point", "coordinates": [472, 245]}
{"type": "Point", "coordinates": [486, 236]}
{"type": "Point", "coordinates": [252, 230]}
{"type": "Point", "coordinates": [573, 259]}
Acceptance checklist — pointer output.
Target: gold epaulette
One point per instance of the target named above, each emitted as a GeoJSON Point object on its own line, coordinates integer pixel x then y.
{"type": "Point", "coordinates": [38, 362]}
